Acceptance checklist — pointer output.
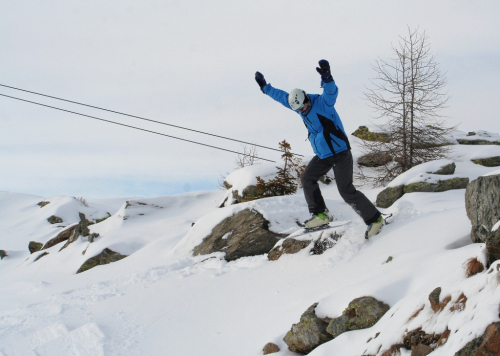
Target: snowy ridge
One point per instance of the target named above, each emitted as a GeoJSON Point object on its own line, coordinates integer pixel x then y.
{"type": "Point", "coordinates": [160, 300]}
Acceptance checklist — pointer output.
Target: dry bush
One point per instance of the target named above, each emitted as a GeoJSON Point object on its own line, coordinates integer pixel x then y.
{"type": "Point", "coordinates": [473, 267]}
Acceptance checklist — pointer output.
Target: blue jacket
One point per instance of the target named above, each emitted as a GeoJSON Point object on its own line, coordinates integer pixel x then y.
{"type": "Point", "coordinates": [326, 132]}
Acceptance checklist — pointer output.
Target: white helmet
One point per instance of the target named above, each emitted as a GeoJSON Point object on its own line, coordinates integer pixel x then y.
{"type": "Point", "coordinates": [297, 98]}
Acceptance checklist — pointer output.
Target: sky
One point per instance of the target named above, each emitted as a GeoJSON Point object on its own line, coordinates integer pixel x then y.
{"type": "Point", "coordinates": [192, 64]}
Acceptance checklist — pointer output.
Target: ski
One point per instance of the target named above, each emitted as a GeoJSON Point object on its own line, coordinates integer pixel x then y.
{"type": "Point", "coordinates": [320, 228]}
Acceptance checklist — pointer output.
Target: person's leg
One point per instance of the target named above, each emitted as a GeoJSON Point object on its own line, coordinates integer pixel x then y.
{"type": "Point", "coordinates": [342, 168]}
{"type": "Point", "coordinates": [315, 169]}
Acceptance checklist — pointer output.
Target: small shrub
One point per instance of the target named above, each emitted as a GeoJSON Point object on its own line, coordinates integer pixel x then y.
{"type": "Point", "coordinates": [473, 267]}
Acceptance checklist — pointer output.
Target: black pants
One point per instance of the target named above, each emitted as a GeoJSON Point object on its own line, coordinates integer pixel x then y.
{"type": "Point", "coordinates": [342, 168]}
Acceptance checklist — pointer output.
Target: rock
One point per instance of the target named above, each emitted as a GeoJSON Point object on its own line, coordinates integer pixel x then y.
{"type": "Point", "coordinates": [486, 345]}
{"type": "Point", "coordinates": [43, 203]}
{"type": "Point", "coordinates": [308, 334]}
{"type": "Point", "coordinates": [374, 160]}
{"type": "Point", "coordinates": [447, 169]}
{"type": "Point", "coordinates": [488, 162]}
{"type": "Point", "coordinates": [62, 236]}
{"type": "Point", "coordinates": [477, 142]}
{"type": "Point", "coordinates": [3, 254]}
{"type": "Point", "coordinates": [361, 313]}
{"type": "Point", "coordinates": [421, 350]}
{"type": "Point", "coordinates": [54, 219]}
{"type": "Point", "coordinates": [34, 246]}
{"type": "Point", "coordinates": [270, 348]}
{"type": "Point", "coordinates": [389, 195]}
{"type": "Point", "coordinates": [249, 193]}
{"type": "Point", "coordinates": [40, 256]}
{"type": "Point", "coordinates": [105, 257]}
{"type": "Point", "coordinates": [246, 233]}
{"type": "Point", "coordinates": [289, 246]}
{"type": "Point", "coordinates": [82, 229]}
{"type": "Point", "coordinates": [434, 299]}
{"type": "Point", "coordinates": [364, 133]}
{"type": "Point", "coordinates": [482, 203]}
{"type": "Point", "coordinates": [440, 186]}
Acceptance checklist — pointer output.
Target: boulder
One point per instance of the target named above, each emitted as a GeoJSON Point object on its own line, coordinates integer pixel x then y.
{"type": "Point", "coordinates": [364, 133]}
{"type": "Point", "coordinates": [477, 142]}
{"type": "Point", "coordinates": [34, 246]}
{"type": "Point", "coordinates": [374, 160]}
{"type": "Point", "coordinates": [3, 254]}
{"type": "Point", "coordinates": [389, 195]}
{"type": "Point", "coordinates": [440, 186]}
{"type": "Point", "coordinates": [308, 333]}
{"type": "Point", "coordinates": [105, 257]}
{"type": "Point", "coordinates": [482, 203]}
{"type": "Point", "coordinates": [43, 203]}
{"type": "Point", "coordinates": [488, 162]}
{"type": "Point", "coordinates": [419, 342]}
{"type": "Point", "coordinates": [246, 233]}
{"type": "Point", "coordinates": [436, 304]}
{"type": "Point", "coordinates": [289, 246]}
{"type": "Point", "coordinates": [486, 345]}
{"type": "Point", "coordinates": [361, 313]}
{"type": "Point", "coordinates": [270, 348]}
{"type": "Point", "coordinates": [248, 194]}
{"type": "Point", "coordinates": [54, 219]}
{"type": "Point", "coordinates": [62, 236]}
{"type": "Point", "coordinates": [446, 169]}
{"type": "Point", "coordinates": [82, 229]}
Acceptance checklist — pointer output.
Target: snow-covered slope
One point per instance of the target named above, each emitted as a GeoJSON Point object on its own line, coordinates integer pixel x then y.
{"type": "Point", "coordinates": [161, 300]}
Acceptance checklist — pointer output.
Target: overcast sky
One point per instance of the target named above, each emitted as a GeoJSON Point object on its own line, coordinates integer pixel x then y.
{"type": "Point", "coordinates": [192, 64]}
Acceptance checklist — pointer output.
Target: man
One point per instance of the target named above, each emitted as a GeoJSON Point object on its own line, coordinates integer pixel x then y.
{"type": "Point", "coordinates": [331, 146]}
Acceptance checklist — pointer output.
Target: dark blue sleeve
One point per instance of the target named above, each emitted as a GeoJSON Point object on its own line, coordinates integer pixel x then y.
{"type": "Point", "coordinates": [277, 94]}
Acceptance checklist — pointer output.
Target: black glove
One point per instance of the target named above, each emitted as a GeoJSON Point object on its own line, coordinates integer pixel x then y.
{"type": "Point", "coordinates": [324, 70]}
{"type": "Point", "coordinates": [259, 78]}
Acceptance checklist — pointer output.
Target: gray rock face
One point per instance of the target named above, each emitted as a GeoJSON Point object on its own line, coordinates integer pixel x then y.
{"type": "Point", "coordinates": [70, 234]}
{"type": "Point", "coordinates": [105, 257]}
{"type": "Point", "coordinates": [488, 162]}
{"type": "Point", "coordinates": [3, 254]}
{"type": "Point", "coordinates": [374, 160]}
{"type": "Point", "coordinates": [308, 334]}
{"type": "Point", "coordinates": [388, 196]}
{"type": "Point", "coordinates": [246, 233]}
{"type": "Point", "coordinates": [361, 313]}
{"type": "Point", "coordinates": [54, 219]}
{"type": "Point", "coordinates": [482, 203]}
{"type": "Point", "coordinates": [34, 246]}
{"type": "Point", "coordinates": [447, 169]}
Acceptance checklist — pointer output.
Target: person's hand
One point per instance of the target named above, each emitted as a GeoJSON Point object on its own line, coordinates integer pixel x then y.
{"type": "Point", "coordinates": [324, 71]}
{"type": "Point", "coordinates": [259, 78]}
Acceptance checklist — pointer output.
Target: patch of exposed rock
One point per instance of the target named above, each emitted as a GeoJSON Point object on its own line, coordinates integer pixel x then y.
{"type": "Point", "coordinates": [71, 233]}
{"type": "Point", "coordinates": [477, 142]}
{"type": "Point", "coordinates": [364, 133]}
{"type": "Point", "coordinates": [389, 195]}
{"type": "Point", "coordinates": [54, 219]}
{"type": "Point", "coordinates": [446, 169]}
{"type": "Point", "coordinates": [34, 246]}
{"type": "Point", "coordinates": [486, 345]}
{"type": "Point", "coordinates": [361, 313]}
{"type": "Point", "coordinates": [289, 246]}
{"type": "Point", "coordinates": [43, 203]}
{"type": "Point", "coordinates": [308, 333]}
{"type": "Point", "coordinates": [482, 203]}
{"type": "Point", "coordinates": [3, 254]}
{"type": "Point", "coordinates": [270, 348]}
{"type": "Point", "coordinates": [105, 257]}
{"type": "Point", "coordinates": [246, 233]}
{"type": "Point", "coordinates": [488, 162]}
{"type": "Point", "coordinates": [41, 255]}
{"type": "Point", "coordinates": [374, 160]}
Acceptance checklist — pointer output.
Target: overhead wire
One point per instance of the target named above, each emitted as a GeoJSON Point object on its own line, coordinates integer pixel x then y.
{"type": "Point", "coordinates": [135, 127]}
{"type": "Point", "coordinates": [145, 119]}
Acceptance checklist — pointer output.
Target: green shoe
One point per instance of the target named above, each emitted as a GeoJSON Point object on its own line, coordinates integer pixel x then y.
{"type": "Point", "coordinates": [317, 220]}
{"type": "Point", "coordinates": [374, 228]}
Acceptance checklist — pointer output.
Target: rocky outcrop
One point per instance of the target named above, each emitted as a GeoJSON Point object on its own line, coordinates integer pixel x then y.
{"type": "Point", "coordinates": [374, 160]}
{"type": "Point", "coordinates": [3, 254]}
{"type": "Point", "coordinates": [488, 162]}
{"type": "Point", "coordinates": [289, 246]}
{"type": "Point", "coordinates": [364, 133]}
{"type": "Point", "coordinates": [43, 203]}
{"type": "Point", "coordinates": [270, 348]}
{"type": "Point", "coordinates": [62, 236]}
{"type": "Point", "coordinates": [486, 345]}
{"type": "Point", "coordinates": [446, 169]}
{"type": "Point", "coordinates": [477, 142]}
{"type": "Point", "coordinates": [246, 233]}
{"type": "Point", "coordinates": [436, 304]}
{"type": "Point", "coordinates": [70, 234]}
{"type": "Point", "coordinates": [482, 203]}
{"type": "Point", "coordinates": [419, 343]}
{"type": "Point", "coordinates": [388, 196]}
{"type": "Point", "coordinates": [34, 246]}
{"type": "Point", "coordinates": [41, 255]}
{"type": "Point", "coordinates": [308, 333]}
{"type": "Point", "coordinates": [361, 313]}
{"type": "Point", "coordinates": [82, 229]}
{"type": "Point", "coordinates": [105, 257]}
{"type": "Point", "coordinates": [54, 219]}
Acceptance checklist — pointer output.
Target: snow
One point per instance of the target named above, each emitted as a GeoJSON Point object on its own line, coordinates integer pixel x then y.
{"type": "Point", "coordinates": [161, 300]}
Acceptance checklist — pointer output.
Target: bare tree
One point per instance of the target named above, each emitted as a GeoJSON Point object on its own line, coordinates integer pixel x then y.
{"type": "Point", "coordinates": [248, 157]}
{"type": "Point", "coordinates": [408, 92]}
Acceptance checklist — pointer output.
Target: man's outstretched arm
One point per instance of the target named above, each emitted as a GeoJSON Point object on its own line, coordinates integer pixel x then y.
{"type": "Point", "coordinates": [279, 95]}
{"type": "Point", "coordinates": [330, 89]}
